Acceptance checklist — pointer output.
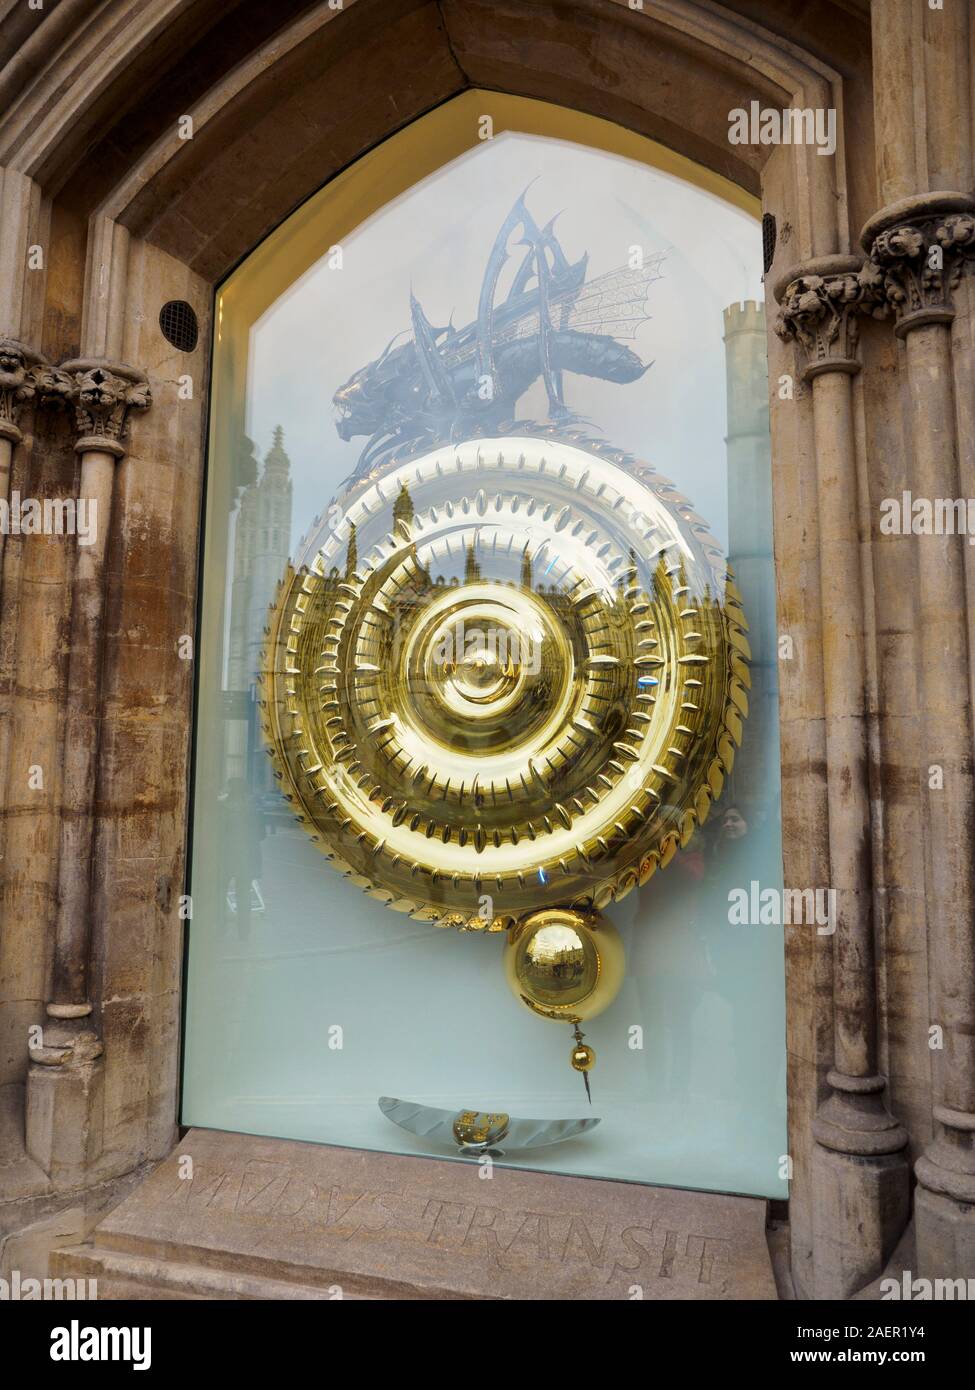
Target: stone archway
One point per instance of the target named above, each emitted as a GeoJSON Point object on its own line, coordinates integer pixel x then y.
{"type": "Point", "coordinates": [128, 214]}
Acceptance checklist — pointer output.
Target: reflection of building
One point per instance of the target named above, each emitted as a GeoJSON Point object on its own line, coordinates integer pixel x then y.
{"type": "Point", "coordinates": [261, 550]}
{"type": "Point", "coordinates": [750, 535]}
{"type": "Point", "coordinates": [423, 587]}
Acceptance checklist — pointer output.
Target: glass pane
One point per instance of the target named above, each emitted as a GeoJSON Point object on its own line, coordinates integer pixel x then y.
{"type": "Point", "coordinates": [469, 588]}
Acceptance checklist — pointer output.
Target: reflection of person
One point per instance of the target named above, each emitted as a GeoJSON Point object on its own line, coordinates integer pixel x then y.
{"type": "Point", "coordinates": [733, 824]}
{"type": "Point", "coordinates": [245, 831]}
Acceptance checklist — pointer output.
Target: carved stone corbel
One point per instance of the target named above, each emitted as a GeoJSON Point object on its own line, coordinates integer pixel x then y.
{"type": "Point", "coordinates": [103, 394]}
{"type": "Point", "coordinates": [18, 385]}
{"type": "Point", "coordinates": [25, 377]}
{"type": "Point", "coordinates": [54, 386]}
{"type": "Point", "coordinates": [820, 308]}
{"type": "Point", "coordinates": [920, 249]}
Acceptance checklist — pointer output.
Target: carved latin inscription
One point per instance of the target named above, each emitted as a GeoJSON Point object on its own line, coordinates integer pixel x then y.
{"type": "Point", "coordinates": [507, 1239]}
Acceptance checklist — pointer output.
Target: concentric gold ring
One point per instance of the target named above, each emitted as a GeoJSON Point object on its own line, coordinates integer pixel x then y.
{"type": "Point", "coordinates": [512, 675]}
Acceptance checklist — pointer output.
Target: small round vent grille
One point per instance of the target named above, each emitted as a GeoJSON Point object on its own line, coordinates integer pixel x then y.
{"type": "Point", "coordinates": [179, 325]}
{"type": "Point", "coordinates": [768, 240]}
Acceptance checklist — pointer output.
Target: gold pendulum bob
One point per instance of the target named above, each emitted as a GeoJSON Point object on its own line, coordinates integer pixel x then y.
{"type": "Point", "coordinates": [566, 965]}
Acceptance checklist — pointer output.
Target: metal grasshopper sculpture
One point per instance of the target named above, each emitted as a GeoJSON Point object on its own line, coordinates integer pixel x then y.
{"type": "Point", "coordinates": [448, 383]}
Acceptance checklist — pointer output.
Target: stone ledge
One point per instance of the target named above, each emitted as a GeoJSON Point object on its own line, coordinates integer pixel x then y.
{"type": "Point", "coordinates": [275, 1218]}
{"type": "Point", "coordinates": [145, 1277]}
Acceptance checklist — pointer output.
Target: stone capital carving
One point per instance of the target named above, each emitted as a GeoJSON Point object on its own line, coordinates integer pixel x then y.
{"type": "Point", "coordinates": [54, 387]}
{"type": "Point", "coordinates": [921, 264]}
{"type": "Point", "coordinates": [914, 263]}
{"type": "Point", "coordinates": [920, 248]}
{"type": "Point", "coordinates": [20, 372]}
{"type": "Point", "coordinates": [103, 395]}
{"type": "Point", "coordinates": [820, 304]}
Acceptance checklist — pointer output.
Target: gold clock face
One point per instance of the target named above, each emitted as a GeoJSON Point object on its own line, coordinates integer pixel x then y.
{"type": "Point", "coordinates": [504, 675]}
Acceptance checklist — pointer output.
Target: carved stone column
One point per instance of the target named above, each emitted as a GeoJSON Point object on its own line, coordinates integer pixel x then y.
{"type": "Point", "coordinates": [63, 1132]}
{"type": "Point", "coordinates": [921, 245]}
{"type": "Point", "coordinates": [860, 1175]}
